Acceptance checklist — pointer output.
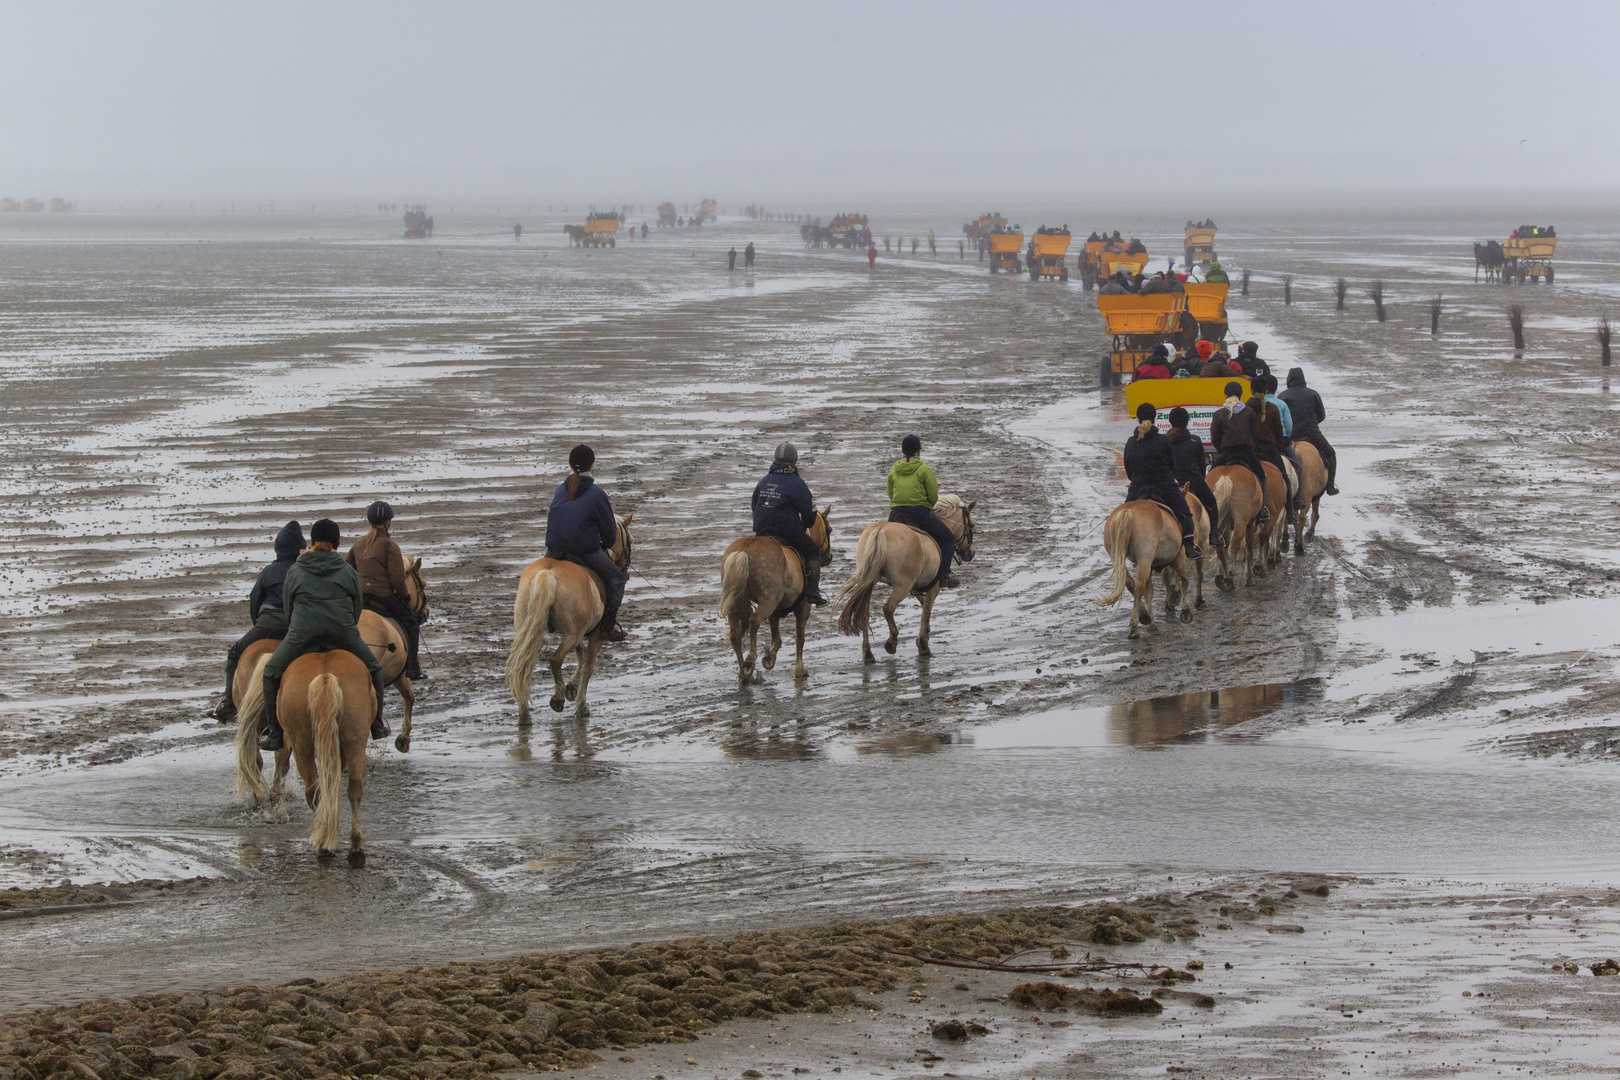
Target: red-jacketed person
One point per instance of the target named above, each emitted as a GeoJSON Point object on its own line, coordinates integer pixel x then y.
{"type": "Point", "coordinates": [871, 256]}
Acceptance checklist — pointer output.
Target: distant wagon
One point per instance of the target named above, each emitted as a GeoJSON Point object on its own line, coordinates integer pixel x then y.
{"type": "Point", "coordinates": [418, 225]}
{"type": "Point", "coordinates": [1528, 253]}
{"type": "Point", "coordinates": [1199, 247]}
{"type": "Point", "coordinates": [1005, 245]}
{"type": "Point", "coordinates": [1137, 322]}
{"type": "Point", "coordinates": [600, 230]}
{"type": "Point", "coordinates": [666, 215]}
{"type": "Point", "coordinates": [1047, 250]}
{"type": "Point", "coordinates": [848, 230]}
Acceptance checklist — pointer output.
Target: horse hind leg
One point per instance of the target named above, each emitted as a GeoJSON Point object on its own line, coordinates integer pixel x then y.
{"type": "Point", "coordinates": [275, 808]}
{"type": "Point", "coordinates": [927, 614]}
{"type": "Point", "coordinates": [801, 615]}
{"type": "Point", "coordinates": [558, 689]}
{"type": "Point", "coordinates": [769, 661]}
{"type": "Point", "coordinates": [587, 667]}
{"type": "Point", "coordinates": [357, 788]}
{"type": "Point", "coordinates": [402, 742]}
{"type": "Point", "coordinates": [895, 596]}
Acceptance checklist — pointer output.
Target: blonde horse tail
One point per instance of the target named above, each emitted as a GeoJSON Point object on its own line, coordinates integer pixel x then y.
{"type": "Point", "coordinates": [1223, 504]}
{"type": "Point", "coordinates": [325, 706]}
{"type": "Point", "coordinates": [734, 588]}
{"type": "Point", "coordinates": [1116, 539]}
{"type": "Point", "coordinates": [854, 600]}
{"type": "Point", "coordinates": [531, 635]}
{"type": "Point", "coordinates": [249, 769]}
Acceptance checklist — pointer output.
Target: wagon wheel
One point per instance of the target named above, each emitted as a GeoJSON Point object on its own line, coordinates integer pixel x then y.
{"type": "Point", "coordinates": [1549, 275]}
{"type": "Point", "coordinates": [1105, 370]}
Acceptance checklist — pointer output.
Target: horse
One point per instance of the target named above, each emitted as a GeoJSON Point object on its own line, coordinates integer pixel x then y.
{"type": "Point", "coordinates": [1312, 485]}
{"type": "Point", "coordinates": [325, 706]}
{"type": "Point", "coordinates": [1201, 524]}
{"type": "Point", "coordinates": [1237, 505]}
{"type": "Point", "coordinates": [387, 643]}
{"type": "Point", "coordinates": [1490, 256]}
{"type": "Point", "coordinates": [1147, 534]}
{"type": "Point", "coordinates": [900, 556]}
{"type": "Point", "coordinates": [762, 578]}
{"type": "Point", "coordinates": [1269, 534]}
{"type": "Point", "coordinates": [561, 597]}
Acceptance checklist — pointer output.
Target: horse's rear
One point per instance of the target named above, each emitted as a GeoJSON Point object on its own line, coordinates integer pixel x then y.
{"type": "Point", "coordinates": [1270, 532]}
{"type": "Point", "coordinates": [1312, 486]}
{"type": "Point", "coordinates": [760, 579]}
{"type": "Point", "coordinates": [1237, 505]}
{"type": "Point", "coordinates": [1146, 535]}
{"type": "Point", "coordinates": [387, 642]}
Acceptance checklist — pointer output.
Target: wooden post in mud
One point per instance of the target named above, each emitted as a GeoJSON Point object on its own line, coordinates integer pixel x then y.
{"type": "Point", "coordinates": [1516, 324]}
{"type": "Point", "coordinates": [1376, 292]}
{"type": "Point", "coordinates": [1288, 289]}
{"type": "Point", "coordinates": [1246, 283]}
{"type": "Point", "coordinates": [1340, 288]}
{"type": "Point", "coordinates": [1603, 336]}
{"type": "Point", "coordinates": [1434, 313]}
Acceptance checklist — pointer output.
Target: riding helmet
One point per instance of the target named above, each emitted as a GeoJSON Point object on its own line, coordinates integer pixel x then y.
{"type": "Point", "coordinates": [581, 458]}
{"type": "Point", "coordinates": [379, 513]}
{"type": "Point", "coordinates": [325, 531]}
{"type": "Point", "coordinates": [787, 454]}
{"type": "Point", "coordinates": [1146, 413]}
{"type": "Point", "coordinates": [911, 446]}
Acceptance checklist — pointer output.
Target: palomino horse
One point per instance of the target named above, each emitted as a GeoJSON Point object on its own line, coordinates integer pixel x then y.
{"type": "Point", "coordinates": [387, 642]}
{"type": "Point", "coordinates": [1237, 505]}
{"type": "Point", "coordinates": [1201, 524]}
{"type": "Point", "coordinates": [1268, 536]}
{"type": "Point", "coordinates": [1312, 484]}
{"type": "Point", "coordinates": [762, 578]}
{"type": "Point", "coordinates": [560, 597]}
{"type": "Point", "coordinates": [900, 557]}
{"type": "Point", "coordinates": [325, 706]}
{"type": "Point", "coordinates": [1146, 534]}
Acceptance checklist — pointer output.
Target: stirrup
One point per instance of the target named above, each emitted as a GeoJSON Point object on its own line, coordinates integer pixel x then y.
{"type": "Point", "coordinates": [614, 633]}
{"type": "Point", "coordinates": [1192, 550]}
{"type": "Point", "coordinates": [225, 711]}
{"type": "Point", "coordinates": [948, 581]}
{"type": "Point", "coordinates": [1332, 489]}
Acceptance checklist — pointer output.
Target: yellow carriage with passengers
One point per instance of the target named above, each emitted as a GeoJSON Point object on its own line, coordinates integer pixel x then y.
{"type": "Point", "coordinates": [1004, 248]}
{"type": "Point", "coordinates": [1528, 256]}
{"type": "Point", "coordinates": [600, 230]}
{"type": "Point", "coordinates": [1200, 397]}
{"type": "Point", "coordinates": [1047, 251]}
{"type": "Point", "coordinates": [1206, 303]}
{"type": "Point", "coordinates": [1199, 246]}
{"type": "Point", "coordinates": [1137, 322]}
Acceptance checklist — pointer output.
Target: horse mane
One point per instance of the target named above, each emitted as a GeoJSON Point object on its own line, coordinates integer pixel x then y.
{"type": "Point", "coordinates": [948, 501]}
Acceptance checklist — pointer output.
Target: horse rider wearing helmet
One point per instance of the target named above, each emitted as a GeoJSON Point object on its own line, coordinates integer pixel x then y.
{"type": "Point", "coordinates": [579, 529]}
{"type": "Point", "coordinates": [784, 509]}
{"type": "Point", "coordinates": [913, 491]}
{"type": "Point", "coordinates": [1151, 468]}
{"type": "Point", "coordinates": [381, 566]}
{"type": "Point", "coordinates": [323, 603]}
{"type": "Point", "coordinates": [264, 608]}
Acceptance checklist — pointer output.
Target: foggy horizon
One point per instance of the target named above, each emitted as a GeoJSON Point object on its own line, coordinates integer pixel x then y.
{"type": "Point", "coordinates": [835, 103]}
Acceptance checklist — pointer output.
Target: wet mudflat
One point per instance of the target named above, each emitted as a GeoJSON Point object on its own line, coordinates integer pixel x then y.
{"type": "Point", "coordinates": [1426, 692]}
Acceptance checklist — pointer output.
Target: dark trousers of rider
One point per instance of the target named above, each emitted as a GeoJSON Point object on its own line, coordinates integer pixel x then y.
{"type": "Point", "coordinates": [1169, 494]}
{"type": "Point", "coordinates": [234, 657]}
{"type": "Point", "coordinates": [1245, 456]}
{"type": "Point", "coordinates": [1330, 458]}
{"type": "Point", "coordinates": [924, 519]}
{"type": "Point", "coordinates": [399, 609]}
{"type": "Point", "coordinates": [1200, 490]}
{"type": "Point", "coordinates": [601, 564]}
{"type": "Point", "coordinates": [1272, 453]}
{"type": "Point", "coordinates": [800, 541]}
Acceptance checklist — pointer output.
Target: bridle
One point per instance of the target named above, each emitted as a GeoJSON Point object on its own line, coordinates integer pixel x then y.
{"type": "Point", "coordinates": [967, 536]}
{"type": "Point", "coordinates": [826, 534]}
{"type": "Point", "coordinates": [420, 606]}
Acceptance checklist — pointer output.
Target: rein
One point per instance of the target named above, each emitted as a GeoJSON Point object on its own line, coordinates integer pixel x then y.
{"type": "Point", "coordinates": [626, 544]}
{"type": "Point", "coordinates": [967, 534]}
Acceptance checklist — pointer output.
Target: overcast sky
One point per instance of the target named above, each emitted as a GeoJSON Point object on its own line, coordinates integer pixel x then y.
{"type": "Point", "coordinates": [400, 101]}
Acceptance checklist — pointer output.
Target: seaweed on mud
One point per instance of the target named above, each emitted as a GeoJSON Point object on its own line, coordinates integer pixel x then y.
{"type": "Point", "coordinates": [1051, 996]}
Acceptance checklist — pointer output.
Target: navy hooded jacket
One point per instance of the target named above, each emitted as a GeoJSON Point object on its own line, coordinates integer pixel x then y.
{"type": "Point", "coordinates": [782, 503]}
{"type": "Point", "coordinates": [267, 590]}
{"type": "Point", "coordinates": [1305, 404]}
{"type": "Point", "coordinates": [584, 524]}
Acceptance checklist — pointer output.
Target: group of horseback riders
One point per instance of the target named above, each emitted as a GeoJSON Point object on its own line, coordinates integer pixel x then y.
{"type": "Point", "coordinates": [1262, 428]}
{"type": "Point", "coordinates": [311, 598]}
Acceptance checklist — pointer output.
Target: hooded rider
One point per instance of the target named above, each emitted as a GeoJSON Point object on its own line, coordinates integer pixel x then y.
{"type": "Point", "coordinates": [1187, 459]}
{"type": "Point", "coordinates": [784, 509]}
{"type": "Point", "coordinates": [1234, 430]}
{"type": "Point", "coordinates": [264, 608]}
{"type": "Point", "coordinates": [913, 492]}
{"type": "Point", "coordinates": [323, 603]}
{"type": "Point", "coordinates": [1248, 358]}
{"type": "Point", "coordinates": [581, 528]}
{"type": "Point", "coordinates": [1150, 467]}
{"type": "Point", "coordinates": [381, 566]}
{"type": "Point", "coordinates": [1269, 438]}
{"type": "Point", "coordinates": [1305, 405]}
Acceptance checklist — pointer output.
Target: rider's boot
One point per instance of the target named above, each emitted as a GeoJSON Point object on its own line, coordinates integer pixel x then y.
{"type": "Point", "coordinates": [812, 582]}
{"type": "Point", "coordinates": [1193, 550]}
{"type": "Point", "coordinates": [270, 737]}
{"type": "Point", "coordinates": [614, 631]}
{"type": "Point", "coordinates": [413, 639]}
{"type": "Point", "coordinates": [225, 711]}
{"type": "Point", "coordinates": [1216, 540]}
{"type": "Point", "coordinates": [948, 580]}
{"type": "Point", "coordinates": [379, 729]}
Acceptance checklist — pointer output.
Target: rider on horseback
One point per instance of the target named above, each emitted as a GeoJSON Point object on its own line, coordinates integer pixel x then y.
{"type": "Point", "coordinates": [1187, 459]}
{"type": "Point", "coordinates": [1269, 438]}
{"type": "Point", "coordinates": [1308, 412]}
{"type": "Point", "coordinates": [1234, 430]}
{"type": "Point", "coordinates": [784, 509]}
{"type": "Point", "coordinates": [913, 491]}
{"type": "Point", "coordinates": [322, 600]}
{"type": "Point", "coordinates": [579, 529]}
{"type": "Point", "coordinates": [381, 566]}
{"type": "Point", "coordinates": [264, 608]}
{"type": "Point", "coordinates": [1150, 467]}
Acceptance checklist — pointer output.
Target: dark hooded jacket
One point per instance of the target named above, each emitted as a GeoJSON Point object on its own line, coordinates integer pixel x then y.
{"type": "Point", "coordinates": [1304, 406]}
{"type": "Point", "coordinates": [321, 594]}
{"type": "Point", "coordinates": [782, 502]}
{"type": "Point", "coordinates": [583, 524]}
{"type": "Point", "coordinates": [266, 594]}
{"type": "Point", "coordinates": [1148, 459]}
{"type": "Point", "coordinates": [1187, 454]}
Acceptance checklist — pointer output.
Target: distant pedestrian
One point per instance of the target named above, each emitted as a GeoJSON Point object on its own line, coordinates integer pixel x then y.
{"type": "Point", "coordinates": [885, 243]}
{"type": "Point", "coordinates": [871, 256]}
{"type": "Point", "coordinates": [932, 250]}
{"type": "Point", "coordinates": [731, 259]}
{"type": "Point", "coordinates": [914, 245]}
{"type": "Point", "coordinates": [748, 256]}
{"type": "Point", "coordinates": [517, 231]}
{"type": "Point", "coordinates": [961, 249]}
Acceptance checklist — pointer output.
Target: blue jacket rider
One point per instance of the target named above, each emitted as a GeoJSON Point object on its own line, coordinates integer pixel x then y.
{"type": "Point", "coordinates": [784, 509]}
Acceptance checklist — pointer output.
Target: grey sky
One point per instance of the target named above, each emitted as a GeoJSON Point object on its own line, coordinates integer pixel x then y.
{"type": "Point", "coordinates": [355, 101]}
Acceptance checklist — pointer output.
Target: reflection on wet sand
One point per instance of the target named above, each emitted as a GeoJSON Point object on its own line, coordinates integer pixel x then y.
{"type": "Point", "coordinates": [1175, 718]}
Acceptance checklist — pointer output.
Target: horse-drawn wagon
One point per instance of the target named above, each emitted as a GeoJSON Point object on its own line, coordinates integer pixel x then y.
{"type": "Point", "coordinates": [705, 211]}
{"type": "Point", "coordinates": [1004, 248]}
{"type": "Point", "coordinates": [599, 230]}
{"type": "Point", "coordinates": [848, 230]}
{"type": "Point", "coordinates": [1206, 304]}
{"type": "Point", "coordinates": [1102, 257]}
{"type": "Point", "coordinates": [976, 231]}
{"type": "Point", "coordinates": [1137, 322]}
{"type": "Point", "coordinates": [1528, 254]}
{"type": "Point", "coordinates": [418, 226]}
{"type": "Point", "coordinates": [1200, 397]}
{"type": "Point", "coordinates": [666, 215]}
{"type": "Point", "coordinates": [1200, 245]}
{"type": "Point", "coordinates": [1047, 250]}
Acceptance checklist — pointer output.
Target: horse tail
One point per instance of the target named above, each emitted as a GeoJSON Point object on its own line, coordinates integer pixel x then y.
{"type": "Point", "coordinates": [1223, 506]}
{"type": "Point", "coordinates": [325, 700]}
{"type": "Point", "coordinates": [249, 767]}
{"type": "Point", "coordinates": [1116, 540]}
{"type": "Point", "coordinates": [854, 600]}
{"type": "Point", "coordinates": [734, 601]}
{"type": "Point", "coordinates": [531, 634]}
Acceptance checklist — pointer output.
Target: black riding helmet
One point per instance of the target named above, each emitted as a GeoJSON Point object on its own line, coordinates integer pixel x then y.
{"type": "Point", "coordinates": [911, 446]}
{"type": "Point", "coordinates": [379, 513]}
{"type": "Point", "coordinates": [581, 458]}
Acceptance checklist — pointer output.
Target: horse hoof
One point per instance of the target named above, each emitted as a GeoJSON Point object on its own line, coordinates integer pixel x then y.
{"type": "Point", "coordinates": [868, 658]}
{"type": "Point", "coordinates": [323, 856]}
{"type": "Point", "coordinates": [582, 713]}
{"type": "Point", "coordinates": [889, 647]}
{"type": "Point", "coordinates": [1134, 634]}
{"type": "Point", "coordinates": [769, 662]}
{"type": "Point", "coordinates": [357, 860]}
{"type": "Point", "coordinates": [923, 649]}
{"type": "Point", "coordinates": [1199, 603]}
{"type": "Point", "coordinates": [571, 690]}
{"type": "Point", "coordinates": [801, 672]}
{"type": "Point", "coordinates": [1186, 615]}
{"type": "Point", "coordinates": [556, 704]}
{"type": "Point", "coordinates": [402, 744]}
{"type": "Point", "coordinates": [1147, 618]}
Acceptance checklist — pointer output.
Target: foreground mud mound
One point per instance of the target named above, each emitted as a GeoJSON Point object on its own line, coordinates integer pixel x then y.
{"type": "Point", "coordinates": [1051, 997]}
{"type": "Point", "coordinates": [533, 1011]}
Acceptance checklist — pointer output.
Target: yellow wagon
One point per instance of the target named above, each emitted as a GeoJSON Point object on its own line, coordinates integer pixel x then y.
{"type": "Point", "coordinates": [1004, 248]}
{"type": "Point", "coordinates": [1137, 323]}
{"type": "Point", "coordinates": [1200, 397]}
{"type": "Point", "coordinates": [600, 229]}
{"type": "Point", "coordinates": [1528, 257]}
{"type": "Point", "coordinates": [1199, 247]}
{"type": "Point", "coordinates": [1046, 254]}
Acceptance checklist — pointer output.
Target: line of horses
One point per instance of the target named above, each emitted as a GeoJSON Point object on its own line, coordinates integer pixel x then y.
{"type": "Point", "coordinates": [1146, 535]}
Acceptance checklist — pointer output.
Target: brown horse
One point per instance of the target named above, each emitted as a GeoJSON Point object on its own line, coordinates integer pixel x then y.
{"type": "Point", "coordinates": [555, 596]}
{"type": "Point", "coordinates": [900, 556]}
{"type": "Point", "coordinates": [1147, 535]}
{"type": "Point", "coordinates": [1237, 506]}
{"type": "Point", "coordinates": [387, 642]}
{"type": "Point", "coordinates": [1200, 518]}
{"type": "Point", "coordinates": [325, 705]}
{"type": "Point", "coordinates": [1312, 484]}
{"type": "Point", "coordinates": [762, 578]}
{"type": "Point", "coordinates": [1269, 533]}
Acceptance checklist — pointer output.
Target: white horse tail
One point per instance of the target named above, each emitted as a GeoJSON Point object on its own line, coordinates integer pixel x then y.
{"type": "Point", "coordinates": [1116, 541]}
{"type": "Point", "coordinates": [854, 600]}
{"type": "Point", "coordinates": [249, 767]}
{"type": "Point", "coordinates": [325, 698]}
{"type": "Point", "coordinates": [734, 587]}
{"type": "Point", "coordinates": [1223, 507]}
{"type": "Point", "coordinates": [531, 635]}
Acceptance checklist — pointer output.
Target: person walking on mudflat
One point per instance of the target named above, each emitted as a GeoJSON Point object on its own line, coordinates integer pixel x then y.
{"type": "Point", "coordinates": [323, 602]}
{"type": "Point", "coordinates": [264, 608]}
{"type": "Point", "coordinates": [913, 491]}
